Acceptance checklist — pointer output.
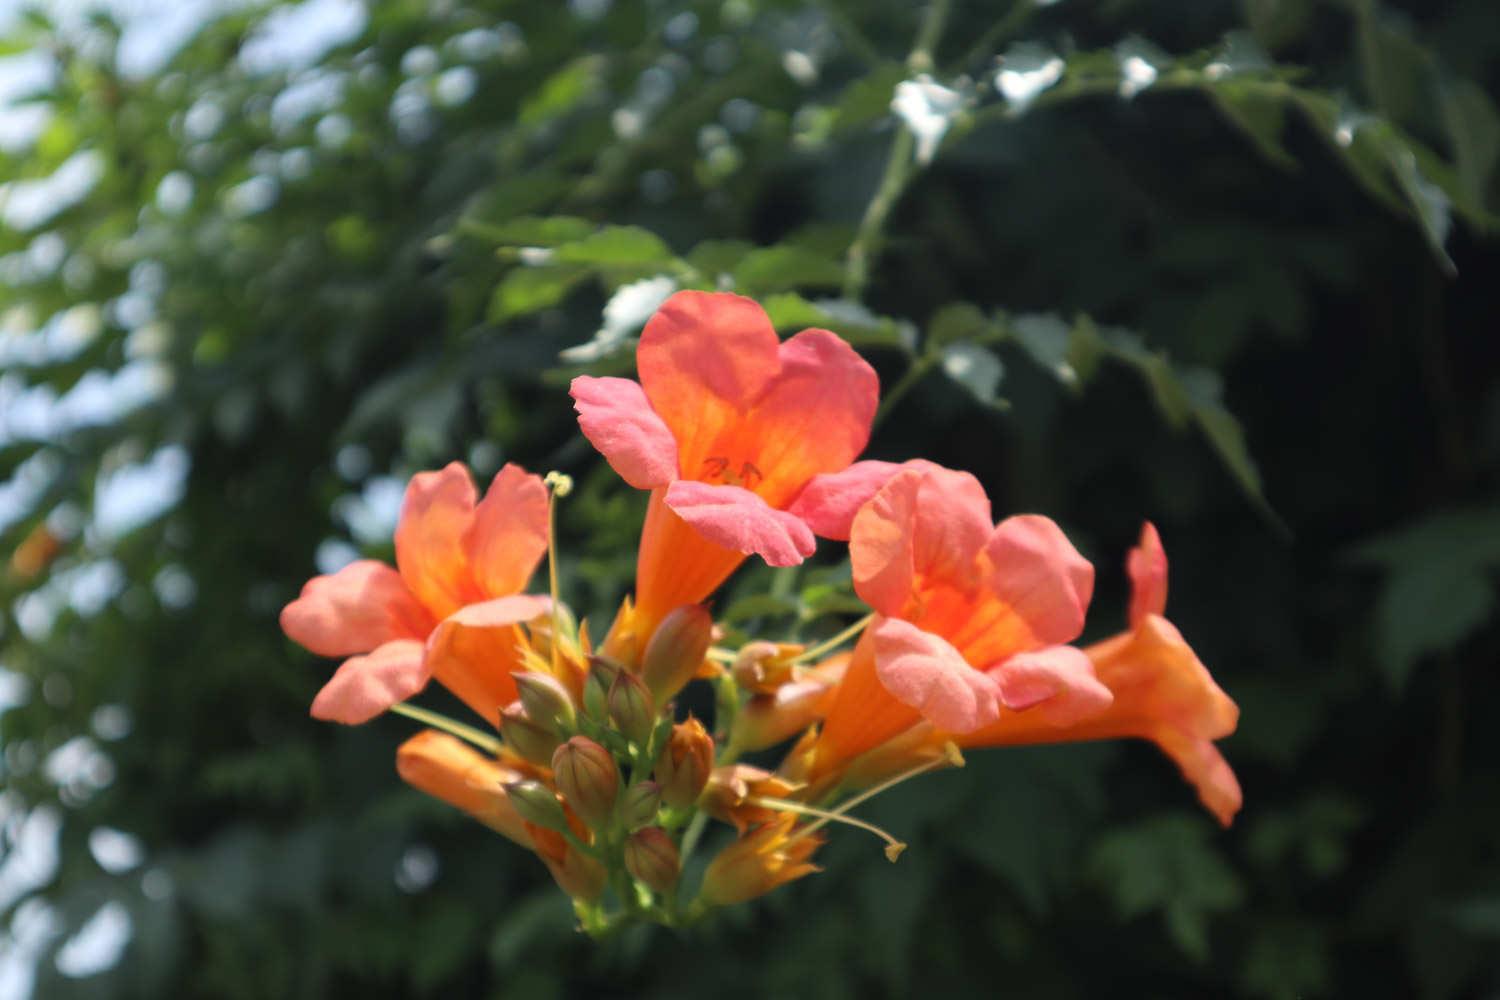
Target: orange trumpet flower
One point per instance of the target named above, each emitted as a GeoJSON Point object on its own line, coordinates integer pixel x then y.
{"type": "Point", "coordinates": [970, 617]}
{"type": "Point", "coordinates": [737, 436]}
{"type": "Point", "coordinates": [1162, 693]}
{"type": "Point", "coordinates": [451, 608]}
{"type": "Point", "coordinates": [447, 768]}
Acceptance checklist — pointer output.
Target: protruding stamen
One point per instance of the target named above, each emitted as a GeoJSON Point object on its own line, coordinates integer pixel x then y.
{"type": "Point", "coordinates": [893, 847]}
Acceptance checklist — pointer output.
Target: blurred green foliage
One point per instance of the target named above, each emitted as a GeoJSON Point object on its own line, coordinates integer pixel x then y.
{"type": "Point", "coordinates": [1224, 265]}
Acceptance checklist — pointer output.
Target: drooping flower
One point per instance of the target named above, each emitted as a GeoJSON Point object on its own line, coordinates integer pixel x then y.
{"type": "Point", "coordinates": [449, 769]}
{"type": "Point", "coordinates": [451, 608]}
{"type": "Point", "coordinates": [1162, 692]}
{"type": "Point", "coordinates": [731, 430]}
{"type": "Point", "coordinates": [770, 855]}
{"type": "Point", "coordinates": [970, 617]}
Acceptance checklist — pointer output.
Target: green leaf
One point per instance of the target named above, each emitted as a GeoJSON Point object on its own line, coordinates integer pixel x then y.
{"type": "Point", "coordinates": [616, 245]}
{"type": "Point", "coordinates": [1474, 129]}
{"type": "Point", "coordinates": [1049, 342]}
{"type": "Point", "coordinates": [712, 258]}
{"type": "Point", "coordinates": [534, 231]}
{"type": "Point", "coordinates": [957, 321]}
{"type": "Point", "coordinates": [526, 290]}
{"type": "Point", "coordinates": [976, 369]}
{"type": "Point", "coordinates": [562, 91]}
{"type": "Point", "coordinates": [868, 98]}
{"type": "Point", "coordinates": [1168, 865]}
{"type": "Point", "coordinates": [1260, 116]}
{"type": "Point", "coordinates": [781, 268]}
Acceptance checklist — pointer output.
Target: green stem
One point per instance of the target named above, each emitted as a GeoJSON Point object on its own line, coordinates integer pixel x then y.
{"type": "Point", "coordinates": [813, 652]}
{"type": "Point", "coordinates": [480, 739]}
{"type": "Point", "coordinates": [918, 370]}
{"type": "Point", "coordinates": [900, 166]}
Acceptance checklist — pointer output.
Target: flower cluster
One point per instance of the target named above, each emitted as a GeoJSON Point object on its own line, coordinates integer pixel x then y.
{"type": "Point", "coordinates": [748, 446]}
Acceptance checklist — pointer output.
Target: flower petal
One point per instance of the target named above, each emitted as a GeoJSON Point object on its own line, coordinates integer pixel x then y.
{"type": "Point", "coordinates": [430, 552]}
{"type": "Point", "coordinates": [739, 520]}
{"type": "Point", "coordinates": [1207, 771]}
{"type": "Point", "coordinates": [1146, 565]}
{"type": "Point", "coordinates": [354, 610]}
{"type": "Point", "coordinates": [474, 651]}
{"type": "Point", "coordinates": [449, 769]}
{"type": "Point", "coordinates": [925, 672]}
{"type": "Point", "coordinates": [814, 417]}
{"type": "Point", "coordinates": [1059, 682]}
{"type": "Point", "coordinates": [829, 502]}
{"type": "Point", "coordinates": [616, 417]}
{"type": "Point", "coordinates": [508, 534]}
{"type": "Point", "coordinates": [1030, 566]}
{"type": "Point", "coordinates": [926, 521]}
{"type": "Point", "coordinates": [703, 359]}
{"type": "Point", "coordinates": [365, 686]}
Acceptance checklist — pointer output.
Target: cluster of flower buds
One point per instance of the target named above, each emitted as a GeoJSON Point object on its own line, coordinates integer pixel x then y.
{"type": "Point", "coordinates": [747, 445]}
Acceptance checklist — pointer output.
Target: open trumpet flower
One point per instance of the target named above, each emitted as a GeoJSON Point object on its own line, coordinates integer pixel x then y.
{"type": "Point", "coordinates": [748, 446]}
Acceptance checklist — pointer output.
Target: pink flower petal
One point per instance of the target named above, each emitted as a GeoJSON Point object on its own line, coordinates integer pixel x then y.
{"type": "Point", "coordinates": [435, 517]}
{"type": "Point", "coordinates": [814, 417]}
{"type": "Point", "coordinates": [703, 357]}
{"type": "Point", "coordinates": [354, 610]}
{"type": "Point", "coordinates": [738, 519]}
{"type": "Point", "coordinates": [1058, 682]}
{"type": "Point", "coordinates": [1146, 565]}
{"type": "Point", "coordinates": [508, 534]}
{"type": "Point", "coordinates": [927, 522]}
{"type": "Point", "coordinates": [925, 672]}
{"type": "Point", "coordinates": [365, 686]}
{"type": "Point", "coordinates": [829, 502]}
{"type": "Point", "coordinates": [618, 420]}
{"type": "Point", "coordinates": [1029, 564]}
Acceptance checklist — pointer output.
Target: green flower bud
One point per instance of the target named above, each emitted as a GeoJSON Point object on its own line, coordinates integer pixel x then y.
{"type": "Point", "coordinates": [586, 774]}
{"type": "Point", "coordinates": [651, 857]}
{"type": "Point", "coordinates": [538, 804]}
{"type": "Point", "coordinates": [631, 708]}
{"type": "Point", "coordinates": [546, 700]}
{"type": "Point", "coordinates": [530, 741]}
{"type": "Point", "coordinates": [639, 805]}
{"type": "Point", "coordinates": [596, 686]}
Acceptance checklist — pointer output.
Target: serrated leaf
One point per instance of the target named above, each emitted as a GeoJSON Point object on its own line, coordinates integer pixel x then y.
{"type": "Point", "coordinates": [781, 268]}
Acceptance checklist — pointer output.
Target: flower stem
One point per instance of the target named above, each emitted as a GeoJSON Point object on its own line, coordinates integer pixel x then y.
{"type": "Point", "coordinates": [900, 165]}
{"type": "Point", "coordinates": [827, 645]}
{"type": "Point", "coordinates": [480, 739]}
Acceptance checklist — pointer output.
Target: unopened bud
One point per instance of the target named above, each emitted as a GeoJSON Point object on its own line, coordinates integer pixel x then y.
{"type": "Point", "coordinates": [530, 741]}
{"type": "Point", "coordinates": [639, 806]}
{"type": "Point", "coordinates": [538, 805]}
{"type": "Point", "coordinates": [762, 667]}
{"type": "Point", "coordinates": [631, 708]}
{"type": "Point", "coordinates": [546, 700]}
{"type": "Point", "coordinates": [585, 773]}
{"type": "Point", "coordinates": [677, 650]}
{"type": "Point", "coordinates": [683, 767]}
{"type": "Point", "coordinates": [651, 857]}
{"type": "Point", "coordinates": [602, 671]}
{"type": "Point", "coordinates": [766, 857]}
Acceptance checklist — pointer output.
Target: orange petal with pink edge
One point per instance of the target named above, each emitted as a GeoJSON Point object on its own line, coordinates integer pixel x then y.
{"type": "Point", "coordinates": [703, 359]}
{"type": "Point", "coordinates": [474, 651]}
{"type": "Point", "coordinates": [1058, 682]}
{"type": "Point", "coordinates": [430, 551]}
{"type": "Point", "coordinates": [1030, 566]}
{"type": "Point", "coordinates": [927, 522]}
{"type": "Point", "coordinates": [618, 420]}
{"type": "Point", "coordinates": [354, 610]}
{"type": "Point", "coordinates": [365, 686]}
{"type": "Point", "coordinates": [924, 671]}
{"type": "Point", "coordinates": [449, 769]}
{"type": "Point", "coordinates": [814, 417]}
{"type": "Point", "coordinates": [737, 519]}
{"type": "Point", "coordinates": [829, 502]}
{"type": "Point", "coordinates": [1146, 565]}
{"type": "Point", "coordinates": [507, 535]}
